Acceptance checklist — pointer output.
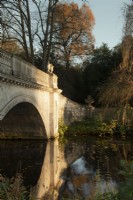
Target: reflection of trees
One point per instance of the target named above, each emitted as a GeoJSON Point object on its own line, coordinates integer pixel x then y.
{"type": "Point", "coordinates": [101, 160]}
{"type": "Point", "coordinates": [107, 155]}
{"type": "Point", "coordinates": [102, 157]}
{"type": "Point", "coordinates": [126, 187]}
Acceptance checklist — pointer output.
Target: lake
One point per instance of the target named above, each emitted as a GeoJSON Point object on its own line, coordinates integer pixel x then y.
{"type": "Point", "coordinates": [78, 167]}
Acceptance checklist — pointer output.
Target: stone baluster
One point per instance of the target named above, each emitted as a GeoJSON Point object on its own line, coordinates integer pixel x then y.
{"type": "Point", "coordinates": [5, 62]}
{"type": "Point", "coordinates": [15, 66]}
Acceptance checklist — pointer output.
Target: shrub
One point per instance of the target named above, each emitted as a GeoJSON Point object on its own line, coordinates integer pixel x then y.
{"type": "Point", "coordinates": [96, 127]}
{"type": "Point", "coordinates": [62, 128]}
{"type": "Point", "coordinates": [12, 189]}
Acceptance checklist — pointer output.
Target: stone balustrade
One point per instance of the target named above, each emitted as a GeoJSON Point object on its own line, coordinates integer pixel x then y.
{"type": "Point", "coordinates": [5, 62]}
{"type": "Point", "coordinates": [20, 69]}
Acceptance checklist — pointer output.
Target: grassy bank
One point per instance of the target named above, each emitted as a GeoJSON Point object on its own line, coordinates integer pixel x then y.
{"type": "Point", "coordinates": [96, 127]}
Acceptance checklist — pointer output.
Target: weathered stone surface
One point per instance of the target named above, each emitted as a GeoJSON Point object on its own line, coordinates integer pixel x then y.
{"type": "Point", "coordinates": [20, 82]}
{"type": "Point", "coordinates": [70, 111]}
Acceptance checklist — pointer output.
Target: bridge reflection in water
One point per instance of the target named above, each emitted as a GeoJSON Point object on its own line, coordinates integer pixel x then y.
{"type": "Point", "coordinates": [60, 169]}
{"type": "Point", "coordinates": [67, 172]}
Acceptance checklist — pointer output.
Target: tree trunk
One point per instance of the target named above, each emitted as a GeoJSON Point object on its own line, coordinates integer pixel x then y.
{"type": "Point", "coordinates": [23, 32]}
{"type": "Point", "coordinates": [45, 47]}
{"type": "Point", "coordinates": [51, 33]}
{"type": "Point", "coordinates": [29, 32]}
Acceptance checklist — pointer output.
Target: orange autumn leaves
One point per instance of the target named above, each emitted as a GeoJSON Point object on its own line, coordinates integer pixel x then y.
{"type": "Point", "coordinates": [72, 18]}
{"type": "Point", "coordinates": [73, 27]}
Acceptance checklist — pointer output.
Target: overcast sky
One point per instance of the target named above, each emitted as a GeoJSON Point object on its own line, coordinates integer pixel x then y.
{"type": "Point", "coordinates": [109, 20]}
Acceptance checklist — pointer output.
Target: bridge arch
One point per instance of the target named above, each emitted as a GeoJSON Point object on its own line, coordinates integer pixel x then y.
{"type": "Point", "coordinates": [27, 113]}
{"type": "Point", "coordinates": [21, 82]}
{"type": "Point", "coordinates": [19, 99]}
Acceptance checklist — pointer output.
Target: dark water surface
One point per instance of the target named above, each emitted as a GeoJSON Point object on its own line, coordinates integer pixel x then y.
{"type": "Point", "coordinates": [77, 167]}
{"type": "Point", "coordinates": [25, 157]}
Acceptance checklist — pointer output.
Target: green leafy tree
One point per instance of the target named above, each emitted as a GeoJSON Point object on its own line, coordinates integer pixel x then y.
{"type": "Point", "coordinates": [98, 69]}
{"type": "Point", "coordinates": [71, 81]}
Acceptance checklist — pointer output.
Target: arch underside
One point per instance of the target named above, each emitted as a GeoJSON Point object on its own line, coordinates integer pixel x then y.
{"type": "Point", "coordinates": [22, 120]}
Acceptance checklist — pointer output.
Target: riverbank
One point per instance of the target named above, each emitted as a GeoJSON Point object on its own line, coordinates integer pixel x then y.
{"type": "Point", "coordinates": [96, 127]}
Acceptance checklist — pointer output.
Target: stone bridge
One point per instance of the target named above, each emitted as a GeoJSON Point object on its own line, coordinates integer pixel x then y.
{"type": "Point", "coordinates": [29, 100]}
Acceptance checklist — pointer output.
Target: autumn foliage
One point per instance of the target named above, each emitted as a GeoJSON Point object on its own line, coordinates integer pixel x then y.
{"type": "Point", "coordinates": [118, 90]}
{"type": "Point", "coordinates": [11, 46]}
{"type": "Point", "coordinates": [73, 31]}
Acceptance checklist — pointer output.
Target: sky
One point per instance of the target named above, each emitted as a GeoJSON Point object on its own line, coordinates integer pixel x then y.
{"type": "Point", "coordinates": [108, 21]}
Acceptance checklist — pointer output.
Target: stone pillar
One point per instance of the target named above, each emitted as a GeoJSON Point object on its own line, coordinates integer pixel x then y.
{"type": "Point", "coordinates": [53, 114]}
{"type": "Point", "coordinates": [54, 105]}
{"type": "Point", "coordinates": [53, 81]}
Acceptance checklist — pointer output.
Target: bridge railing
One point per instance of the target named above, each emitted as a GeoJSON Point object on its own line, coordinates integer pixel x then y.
{"type": "Point", "coordinates": [27, 71]}
{"type": "Point", "coordinates": [5, 62]}
{"type": "Point", "coordinates": [15, 66]}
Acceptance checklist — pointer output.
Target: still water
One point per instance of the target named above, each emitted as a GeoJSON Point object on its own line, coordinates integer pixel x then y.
{"type": "Point", "coordinates": [73, 168]}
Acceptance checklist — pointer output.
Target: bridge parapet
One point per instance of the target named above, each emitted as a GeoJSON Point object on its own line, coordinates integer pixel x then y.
{"type": "Point", "coordinates": [18, 68]}
{"type": "Point", "coordinates": [5, 62]}
{"type": "Point", "coordinates": [26, 71]}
